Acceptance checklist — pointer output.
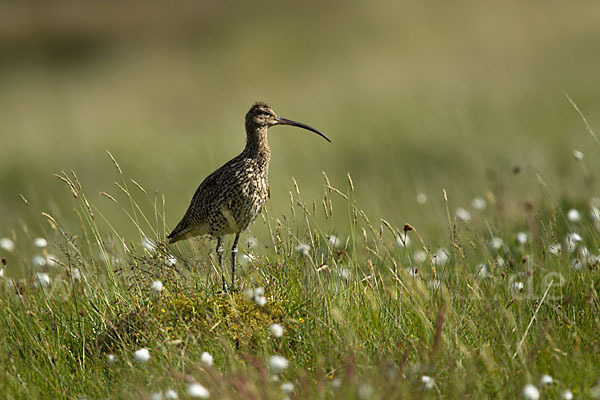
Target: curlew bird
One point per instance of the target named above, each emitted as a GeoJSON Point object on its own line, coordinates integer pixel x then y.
{"type": "Point", "coordinates": [230, 198]}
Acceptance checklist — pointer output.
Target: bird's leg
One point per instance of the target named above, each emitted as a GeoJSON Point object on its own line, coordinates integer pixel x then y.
{"type": "Point", "coordinates": [234, 251]}
{"type": "Point", "coordinates": [220, 251]}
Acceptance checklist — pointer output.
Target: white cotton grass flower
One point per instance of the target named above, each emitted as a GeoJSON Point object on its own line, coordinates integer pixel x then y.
{"type": "Point", "coordinates": [403, 240]}
{"type": "Point", "coordinates": [546, 380]}
{"type": "Point", "coordinates": [246, 258]}
{"type": "Point", "coordinates": [500, 263]}
{"type": "Point", "coordinates": [156, 396]}
{"type": "Point", "coordinates": [440, 257]}
{"type": "Point", "coordinates": [260, 301]}
{"type": "Point", "coordinates": [566, 395]}
{"type": "Point", "coordinates": [278, 364]}
{"type": "Point", "coordinates": [38, 261]}
{"type": "Point", "coordinates": [42, 280]}
{"type": "Point", "coordinates": [420, 256]}
{"type": "Point", "coordinates": [334, 241]}
{"type": "Point", "coordinates": [421, 198]}
{"type": "Point", "coordinates": [479, 203]}
{"type": "Point", "coordinates": [578, 155]}
{"type": "Point", "coordinates": [75, 274]}
{"type": "Point", "coordinates": [171, 260]}
{"type": "Point", "coordinates": [571, 241]}
{"type": "Point", "coordinates": [287, 387]}
{"type": "Point", "coordinates": [555, 248]}
{"type": "Point", "coordinates": [517, 286]}
{"type": "Point", "coordinates": [482, 270]}
{"type": "Point", "coordinates": [206, 359]}
{"type": "Point", "coordinates": [574, 215]}
{"type": "Point", "coordinates": [522, 238]}
{"type": "Point", "coordinates": [157, 286]}
{"type": "Point", "coordinates": [463, 214]}
{"type": "Point", "coordinates": [40, 242]}
{"type": "Point", "coordinates": [171, 395]}
{"type": "Point", "coordinates": [496, 243]}
{"type": "Point", "coordinates": [251, 242]}
{"type": "Point", "coordinates": [577, 264]}
{"type": "Point", "coordinates": [197, 391]}
{"type": "Point", "coordinates": [111, 359]}
{"type": "Point", "coordinates": [51, 260]}
{"type": "Point", "coordinates": [303, 249]}
{"type": "Point", "coordinates": [276, 330]}
{"type": "Point", "coordinates": [428, 382]}
{"type": "Point", "coordinates": [413, 272]}
{"type": "Point", "coordinates": [148, 244]}
{"type": "Point", "coordinates": [142, 355]}
{"type": "Point", "coordinates": [343, 272]}
{"type": "Point", "coordinates": [530, 392]}
{"type": "Point", "coordinates": [7, 244]}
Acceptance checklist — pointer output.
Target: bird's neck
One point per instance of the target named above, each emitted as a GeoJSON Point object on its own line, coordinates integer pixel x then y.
{"type": "Point", "coordinates": [256, 143]}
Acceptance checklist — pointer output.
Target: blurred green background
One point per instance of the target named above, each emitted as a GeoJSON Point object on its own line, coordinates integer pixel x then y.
{"type": "Point", "coordinates": [416, 96]}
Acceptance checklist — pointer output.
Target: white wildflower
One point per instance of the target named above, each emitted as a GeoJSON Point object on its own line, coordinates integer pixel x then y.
{"type": "Point", "coordinates": [463, 214]}
{"type": "Point", "coordinates": [571, 241]}
{"type": "Point", "coordinates": [287, 387]}
{"type": "Point", "coordinates": [157, 286]}
{"type": "Point", "coordinates": [148, 244]}
{"type": "Point", "coordinates": [40, 242]}
{"type": "Point", "coordinates": [207, 359]}
{"type": "Point", "coordinates": [555, 248]}
{"type": "Point", "coordinates": [500, 263]}
{"type": "Point", "coordinates": [42, 280]}
{"type": "Point", "coordinates": [156, 396]}
{"type": "Point", "coordinates": [7, 244]}
{"type": "Point", "coordinates": [171, 260]}
{"type": "Point", "coordinates": [577, 264]}
{"type": "Point", "coordinates": [594, 212]}
{"type": "Point", "coordinates": [573, 215]}
{"type": "Point", "coordinates": [111, 359]}
{"type": "Point", "coordinates": [171, 395]}
{"type": "Point", "coordinates": [567, 395]}
{"type": "Point", "coordinates": [51, 260]}
{"type": "Point", "coordinates": [141, 355]}
{"type": "Point", "coordinates": [496, 243]}
{"type": "Point", "coordinates": [334, 241]}
{"type": "Point", "coordinates": [420, 256]}
{"type": "Point", "coordinates": [303, 249]}
{"type": "Point", "coordinates": [479, 203]}
{"type": "Point", "coordinates": [578, 155]}
{"type": "Point", "coordinates": [522, 238]}
{"type": "Point", "coordinates": [428, 382]}
{"type": "Point", "coordinates": [75, 274]}
{"type": "Point", "coordinates": [260, 300]}
{"type": "Point", "coordinates": [530, 392]}
{"type": "Point", "coordinates": [403, 240]}
{"type": "Point", "coordinates": [278, 364]}
{"type": "Point", "coordinates": [251, 242]}
{"type": "Point", "coordinates": [198, 391]}
{"type": "Point", "coordinates": [38, 261]}
{"type": "Point", "coordinates": [440, 257]}
{"type": "Point", "coordinates": [546, 380]}
{"type": "Point", "coordinates": [421, 198]}
{"type": "Point", "coordinates": [413, 272]}
{"type": "Point", "coordinates": [276, 330]}
{"type": "Point", "coordinates": [482, 270]}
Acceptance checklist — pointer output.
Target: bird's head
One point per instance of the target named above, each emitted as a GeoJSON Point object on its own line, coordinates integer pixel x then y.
{"type": "Point", "coordinates": [262, 116]}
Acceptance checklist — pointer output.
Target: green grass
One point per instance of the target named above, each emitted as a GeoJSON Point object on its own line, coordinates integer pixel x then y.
{"type": "Point", "coordinates": [453, 101]}
{"type": "Point", "coordinates": [358, 323]}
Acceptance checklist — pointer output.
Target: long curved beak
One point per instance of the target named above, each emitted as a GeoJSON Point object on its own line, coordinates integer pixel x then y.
{"type": "Point", "coordinates": [285, 121]}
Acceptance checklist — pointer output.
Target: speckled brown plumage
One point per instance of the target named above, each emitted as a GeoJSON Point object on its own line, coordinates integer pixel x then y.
{"type": "Point", "coordinates": [230, 198]}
